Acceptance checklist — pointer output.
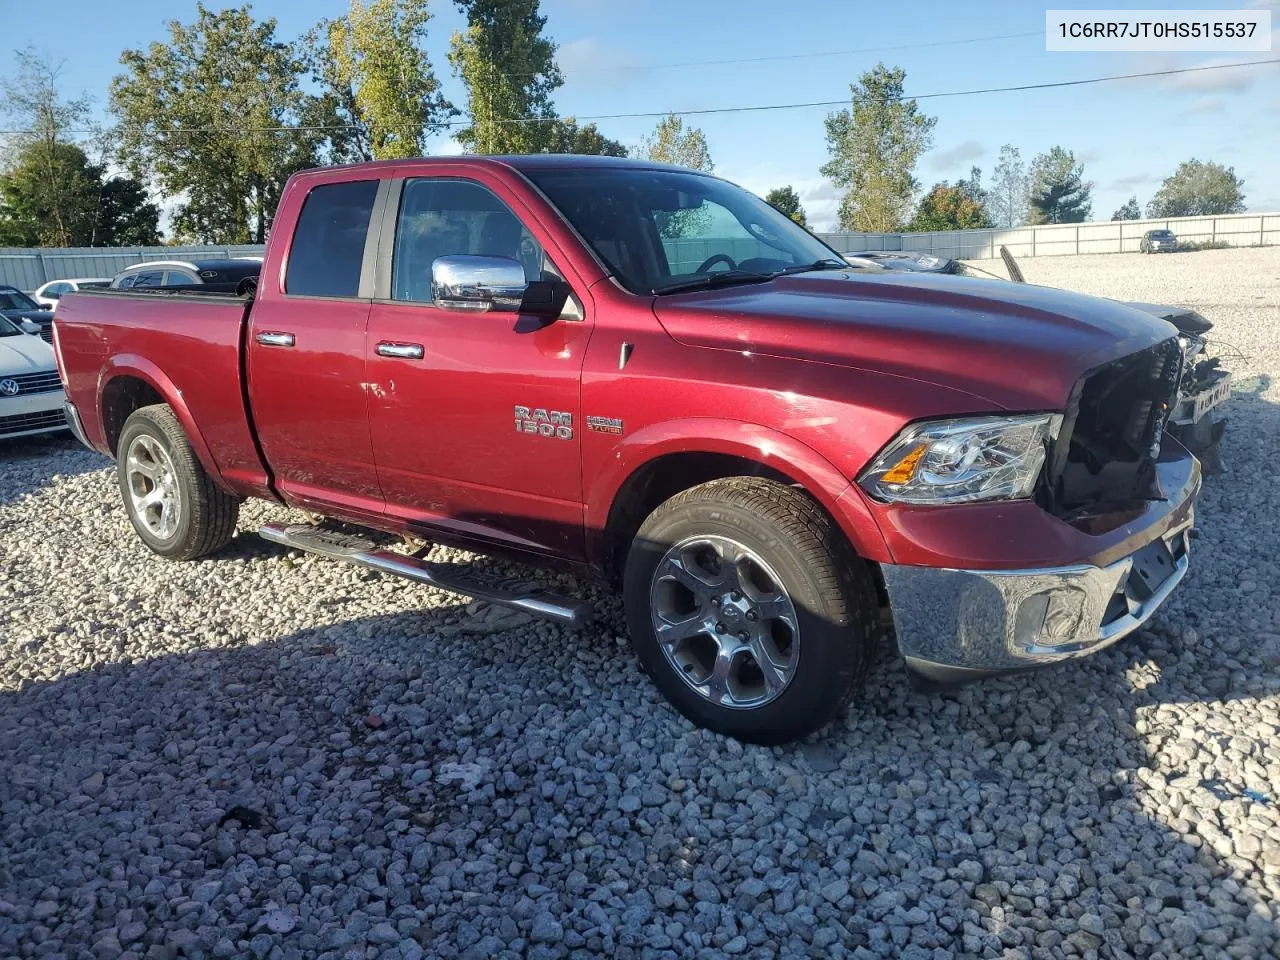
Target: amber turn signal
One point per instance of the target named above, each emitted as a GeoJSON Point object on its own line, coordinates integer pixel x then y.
{"type": "Point", "coordinates": [905, 468]}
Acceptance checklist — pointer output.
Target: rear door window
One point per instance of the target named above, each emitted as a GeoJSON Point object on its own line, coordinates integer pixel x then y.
{"type": "Point", "coordinates": [328, 243]}
{"type": "Point", "coordinates": [152, 278]}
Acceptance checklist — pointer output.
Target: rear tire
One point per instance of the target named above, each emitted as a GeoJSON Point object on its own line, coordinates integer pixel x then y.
{"type": "Point", "coordinates": [788, 605]}
{"type": "Point", "coordinates": [173, 504]}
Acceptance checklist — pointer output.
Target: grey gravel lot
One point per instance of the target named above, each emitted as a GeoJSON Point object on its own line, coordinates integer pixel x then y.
{"type": "Point", "coordinates": [272, 756]}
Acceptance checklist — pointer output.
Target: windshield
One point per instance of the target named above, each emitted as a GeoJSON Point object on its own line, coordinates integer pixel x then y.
{"type": "Point", "coordinates": [8, 328]}
{"type": "Point", "coordinates": [1161, 234]}
{"type": "Point", "coordinates": [11, 299]}
{"type": "Point", "coordinates": [659, 230]}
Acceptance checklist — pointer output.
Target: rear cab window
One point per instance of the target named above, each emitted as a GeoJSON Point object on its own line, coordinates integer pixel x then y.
{"type": "Point", "coordinates": [327, 252]}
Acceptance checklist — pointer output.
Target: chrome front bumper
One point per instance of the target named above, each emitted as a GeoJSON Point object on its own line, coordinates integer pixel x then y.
{"type": "Point", "coordinates": [957, 625]}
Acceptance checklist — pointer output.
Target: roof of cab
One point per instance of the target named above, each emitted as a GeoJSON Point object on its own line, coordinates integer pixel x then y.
{"type": "Point", "coordinates": [520, 162]}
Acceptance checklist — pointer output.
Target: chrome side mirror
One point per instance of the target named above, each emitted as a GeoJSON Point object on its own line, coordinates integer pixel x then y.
{"type": "Point", "coordinates": [29, 326]}
{"type": "Point", "coordinates": [477, 284]}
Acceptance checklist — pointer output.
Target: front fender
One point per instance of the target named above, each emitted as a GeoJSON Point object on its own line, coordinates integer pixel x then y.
{"type": "Point", "coordinates": [132, 365]}
{"type": "Point", "coordinates": [749, 441]}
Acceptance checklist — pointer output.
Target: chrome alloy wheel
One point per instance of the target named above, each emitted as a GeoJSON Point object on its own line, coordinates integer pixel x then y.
{"type": "Point", "coordinates": [724, 621]}
{"type": "Point", "coordinates": [153, 487]}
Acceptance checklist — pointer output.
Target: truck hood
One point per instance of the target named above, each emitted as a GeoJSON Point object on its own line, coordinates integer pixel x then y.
{"type": "Point", "coordinates": [1018, 346]}
{"type": "Point", "coordinates": [25, 353]}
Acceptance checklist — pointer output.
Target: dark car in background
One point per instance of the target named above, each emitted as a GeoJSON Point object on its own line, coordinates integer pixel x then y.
{"type": "Point", "coordinates": [1158, 241]}
{"type": "Point", "coordinates": [238, 275]}
{"type": "Point", "coordinates": [17, 306]}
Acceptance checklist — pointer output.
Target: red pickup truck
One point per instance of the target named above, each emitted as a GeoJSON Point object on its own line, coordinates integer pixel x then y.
{"type": "Point", "coordinates": [650, 373]}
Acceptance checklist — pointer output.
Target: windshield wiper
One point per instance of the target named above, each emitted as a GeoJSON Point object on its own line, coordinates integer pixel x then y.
{"type": "Point", "coordinates": [709, 281]}
{"type": "Point", "coordinates": [827, 263]}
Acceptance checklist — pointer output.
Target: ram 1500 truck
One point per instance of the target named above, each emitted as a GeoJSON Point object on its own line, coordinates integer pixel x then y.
{"type": "Point", "coordinates": [651, 373]}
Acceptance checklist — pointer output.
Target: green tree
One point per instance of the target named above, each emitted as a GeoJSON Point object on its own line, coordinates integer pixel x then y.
{"type": "Point", "coordinates": [212, 117]}
{"type": "Point", "coordinates": [1009, 188]}
{"type": "Point", "coordinates": [947, 207]}
{"type": "Point", "coordinates": [32, 214]}
{"type": "Point", "coordinates": [126, 217]}
{"type": "Point", "coordinates": [1129, 211]}
{"type": "Point", "coordinates": [46, 179]}
{"type": "Point", "coordinates": [874, 147]}
{"type": "Point", "coordinates": [92, 209]}
{"type": "Point", "coordinates": [378, 79]}
{"type": "Point", "coordinates": [787, 201]}
{"type": "Point", "coordinates": [566, 136]}
{"type": "Point", "coordinates": [1059, 192]}
{"type": "Point", "coordinates": [1198, 189]}
{"type": "Point", "coordinates": [670, 142]}
{"type": "Point", "coordinates": [975, 191]}
{"type": "Point", "coordinates": [508, 69]}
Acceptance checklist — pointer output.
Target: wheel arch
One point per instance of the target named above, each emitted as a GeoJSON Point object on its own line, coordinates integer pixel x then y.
{"type": "Point", "coordinates": [658, 462]}
{"type": "Point", "coordinates": [130, 382]}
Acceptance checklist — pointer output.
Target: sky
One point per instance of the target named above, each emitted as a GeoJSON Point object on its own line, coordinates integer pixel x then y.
{"type": "Point", "coordinates": [650, 56]}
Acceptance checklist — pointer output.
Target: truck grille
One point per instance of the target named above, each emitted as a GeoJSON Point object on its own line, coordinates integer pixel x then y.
{"type": "Point", "coordinates": [46, 333]}
{"type": "Point", "coordinates": [25, 422]}
{"type": "Point", "coordinates": [45, 382]}
{"type": "Point", "coordinates": [1105, 454]}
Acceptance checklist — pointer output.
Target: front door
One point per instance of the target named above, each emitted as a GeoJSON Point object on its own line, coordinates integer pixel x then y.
{"type": "Point", "coordinates": [307, 358]}
{"type": "Point", "coordinates": [476, 417]}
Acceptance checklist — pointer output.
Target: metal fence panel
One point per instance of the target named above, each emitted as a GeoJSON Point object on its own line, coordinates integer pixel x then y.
{"type": "Point", "coordinates": [28, 269]}
{"type": "Point", "coordinates": [1068, 239]}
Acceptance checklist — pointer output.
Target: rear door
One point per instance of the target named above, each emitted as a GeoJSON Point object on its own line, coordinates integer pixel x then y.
{"type": "Point", "coordinates": [476, 417]}
{"type": "Point", "coordinates": [306, 356]}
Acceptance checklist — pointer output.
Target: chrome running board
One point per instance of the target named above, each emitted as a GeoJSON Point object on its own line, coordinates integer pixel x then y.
{"type": "Point", "coordinates": [337, 545]}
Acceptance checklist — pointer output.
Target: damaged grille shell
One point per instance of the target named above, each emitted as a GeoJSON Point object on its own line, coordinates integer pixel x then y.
{"type": "Point", "coordinates": [1103, 461]}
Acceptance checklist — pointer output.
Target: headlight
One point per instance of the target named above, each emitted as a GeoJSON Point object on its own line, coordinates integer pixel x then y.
{"type": "Point", "coordinates": [959, 461]}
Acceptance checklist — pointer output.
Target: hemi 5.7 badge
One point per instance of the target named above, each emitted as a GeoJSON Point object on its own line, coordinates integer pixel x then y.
{"type": "Point", "coordinates": [610, 425]}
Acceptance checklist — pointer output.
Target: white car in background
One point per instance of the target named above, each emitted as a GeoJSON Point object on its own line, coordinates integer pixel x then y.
{"type": "Point", "coordinates": [31, 397]}
{"type": "Point", "coordinates": [50, 293]}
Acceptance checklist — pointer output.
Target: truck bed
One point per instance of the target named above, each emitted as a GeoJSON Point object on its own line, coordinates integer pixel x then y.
{"type": "Point", "coordinates": [106, 339]}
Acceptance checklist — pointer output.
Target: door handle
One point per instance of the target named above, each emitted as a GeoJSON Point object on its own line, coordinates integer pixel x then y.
{"type": "Point", "coordinates": [275, 339]}
{"type": "Point", "coordinates": [403, 351]}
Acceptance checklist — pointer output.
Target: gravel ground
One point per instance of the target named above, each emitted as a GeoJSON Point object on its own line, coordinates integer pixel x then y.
{"type": "Point", "coordinates": [265, 755]}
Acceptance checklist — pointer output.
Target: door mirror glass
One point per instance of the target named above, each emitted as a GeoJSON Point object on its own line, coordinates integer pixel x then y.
{"type": "Point", "coordinates": [477, 284]}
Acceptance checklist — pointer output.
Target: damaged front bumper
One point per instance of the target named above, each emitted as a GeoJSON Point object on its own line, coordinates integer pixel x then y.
{"type": "Point", "coordinates": [955, 625]}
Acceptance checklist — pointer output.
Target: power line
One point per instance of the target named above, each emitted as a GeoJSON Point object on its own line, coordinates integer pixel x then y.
{"type": "Point", "coordinates": [792, 56]}
{"type": "Point", "coordinates": [753, 108]}
{"type": "Point", "coordinates": [917, 96]}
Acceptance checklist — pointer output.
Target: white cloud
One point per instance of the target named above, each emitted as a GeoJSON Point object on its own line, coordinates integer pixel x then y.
{"type": "Point", "coordinates": [1205, 105]}
{"type": "Point", "coordinates": [959, 155]}
{"type": "Point", "coordinates": [591, 60]}
{"type": "Point", "coordinates": [1131, 182]}
{"type": "Point", "coordinates": [1220, 79]}
{"type": "Point", "coordinates": [450, 148]}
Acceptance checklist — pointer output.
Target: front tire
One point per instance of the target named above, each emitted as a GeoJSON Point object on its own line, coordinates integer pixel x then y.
{"type": "Point", "coordinates": [174, 506]}
{"type": "Point", "coordinates": [749, 609]}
